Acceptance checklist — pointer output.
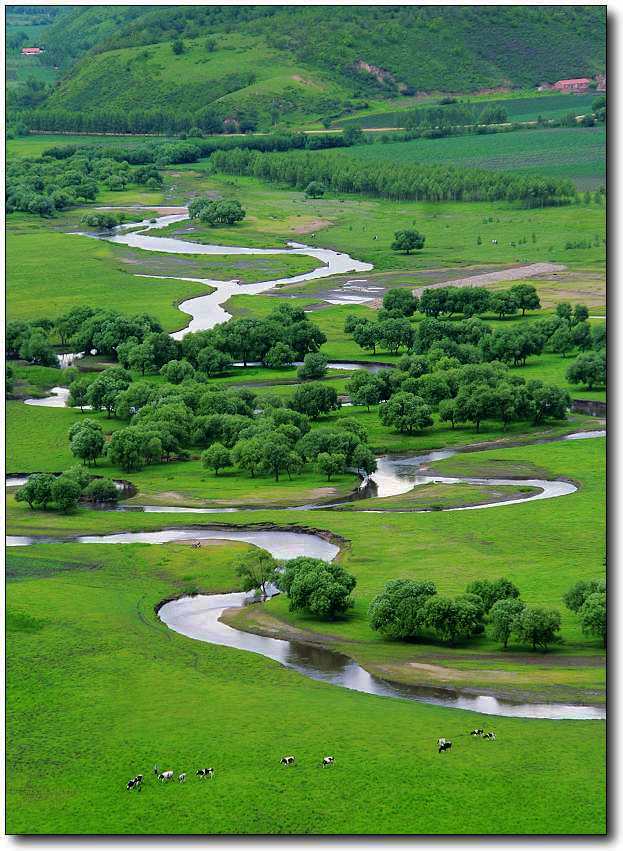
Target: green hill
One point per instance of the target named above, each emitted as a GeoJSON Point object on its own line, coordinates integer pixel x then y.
{"type": "Point", "coordinates": [260, 66]}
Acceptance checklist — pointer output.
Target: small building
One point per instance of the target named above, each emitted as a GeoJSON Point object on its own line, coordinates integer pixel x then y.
{"type": "Point", "coordinates": [579, 84]}
{"type": "Point", "coordinates": [31, 51]}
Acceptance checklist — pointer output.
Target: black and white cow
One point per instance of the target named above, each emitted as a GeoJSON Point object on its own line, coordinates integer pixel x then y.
{"type": "Point", "coordinates": [477, 732]}
{"type": "Point", "coordinates": [165, 775]}
{"type": "Point", "coordinates": [205, 772]}
{"type": "Point", "coordinates": [327, 760]}
{"type": "Point", "coordinates": [443, 745]}
{"type": "Point", "coordinates": [182, 777]}
{"type": "Point", "coordinates": [287, 760]}
{"type": "Point", "coordinates": [489, 736]}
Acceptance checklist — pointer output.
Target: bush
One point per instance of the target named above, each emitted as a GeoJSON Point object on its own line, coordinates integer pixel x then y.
{"type": "Point", "coordinates": [101, 490]}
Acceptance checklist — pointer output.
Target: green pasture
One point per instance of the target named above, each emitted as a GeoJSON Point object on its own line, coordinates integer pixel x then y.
{"type": "Point", "coordinates": [100, 691]}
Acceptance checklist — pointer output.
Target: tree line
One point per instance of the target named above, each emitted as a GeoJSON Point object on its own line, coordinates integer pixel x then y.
{"type": "Point", "coordinates": [394, 180]}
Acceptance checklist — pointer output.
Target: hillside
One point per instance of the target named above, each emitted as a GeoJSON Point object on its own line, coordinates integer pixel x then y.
{"type": "Point", "coordinates": [271, 65]}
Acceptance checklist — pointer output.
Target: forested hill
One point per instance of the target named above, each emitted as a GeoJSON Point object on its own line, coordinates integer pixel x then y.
{"type": "Point", "coordinates": [277, 64]}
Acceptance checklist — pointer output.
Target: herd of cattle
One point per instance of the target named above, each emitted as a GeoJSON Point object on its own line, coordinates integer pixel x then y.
{"type": "Point", "coordinates": [446, 744]}
{"type": "Point", "coordinates": [203, 773]}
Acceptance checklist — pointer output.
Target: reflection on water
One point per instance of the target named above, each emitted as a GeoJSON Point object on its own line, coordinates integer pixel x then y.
{"type": "Point", "coordinates": [198, 618]}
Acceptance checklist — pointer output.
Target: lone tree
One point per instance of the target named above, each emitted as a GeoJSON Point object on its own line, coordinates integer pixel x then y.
{"type": "Point", "coordinates": [314, 189]}
{"type": "Point", "coordinates": [526, 297]}
{"type": "Point", "coordinates": [219, 212]}
{"type": "Point", "coordinates": [321, 588]}
{"type": "Point", "coordinates": [593, 615]}
{"type": "Point", "coordinates": [216, 457]}
{"type": "Point", "coordinates": [589, 369]}
{"type": "Point", "coordinates": [257, 569]}
{"type": "Point", "coordinates": [314, 366]}
{"type": "Point", "coordinates": [37, 491]}
{"type": "Point", "coordinates": [408, 241]}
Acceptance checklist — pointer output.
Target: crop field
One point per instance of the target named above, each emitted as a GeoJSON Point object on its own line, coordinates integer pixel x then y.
{"type": "Point", "coordinates": [575, 153]}
{"type": "Point", "coordinates": [518, 109]}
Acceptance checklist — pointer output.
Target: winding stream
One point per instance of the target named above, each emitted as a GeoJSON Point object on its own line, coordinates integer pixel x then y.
{"type": "Point", "coordinates": [198, 617]}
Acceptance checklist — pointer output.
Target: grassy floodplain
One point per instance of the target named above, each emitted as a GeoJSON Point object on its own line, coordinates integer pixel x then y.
{"type": "Point", "coordinates": [148, 695]}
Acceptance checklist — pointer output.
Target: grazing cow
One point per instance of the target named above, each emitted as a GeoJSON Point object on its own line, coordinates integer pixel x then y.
{"type": "Point", "coordinates": [327, 760]}
{"type": "Point", "coordinates": [182, 777]}
{"type": "Point", "coordinates": [489, 736]}
{"type": "Point", "coordinates": [443, 745]}
{"type": "Point", "coordinates": [156, 770]}
{"type": "Point", "coordinates": [196, 545]}
{"type": "Point", "coordinates": [130, 784]}
{"type": "Point", "coordinates": [165, 775]}
{"type": "Point", "coordinates": [477, 732]}
{"type": "Point", "coordinates": [287, 760]}
{"type": "Point", "coordinates": [205, 772]}
{"type": "Point", "coordinates": [494, 242]}
{"type": "Point", "coordinates": [375, 237]}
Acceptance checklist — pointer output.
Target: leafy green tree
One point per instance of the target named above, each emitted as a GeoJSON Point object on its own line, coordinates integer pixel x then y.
{"type": "Point", "coordinates": [101, 490]}
{"type": "Point", "coordinates": [177, 46]}
{"type": "Point", "coordinates": [278, 356]}
{"type": "Point", "coordinates": [538, 627]}
{"type": "Point", "coordinates": [503, 303]}
{"type": "Point", "coordinates": [212, 361]}
{"type": "Point", "coordinates": [589, 369]}
{"type": "Point", "coordinates": [406, 413]}
{"type": "Point", "coordinates": [314, 189]}
{"type": "Point", "coordinates": [451, 620]}
{"type": "Point", "coordinates": [367, 335]}
{"type": "Point", "coordinates": [503, 615]}
{"type": "Point", "coordinates": [448, 411]}
{"type": "Point", "coordinates": [321, 588]}
{"type": "Point", "coordinates": [37, 491]}
{"type": "Point", "coordinates": [314, 366]}
{"type": "Point", "coordinates": [474, 403]}
{"type": "Point", "coordinates": [276, 452]}
{"type": "Point", "coordinates": [216, 457]}
{"type": "Point", "coordinates": [581, 336]}
{"type": "Point", "coordinates": [130, 449]}
{"type": "Point", "coordinates": [80, 475]}
{"type": "Point", "coordinates": [86, 440]}
{"type": "Point", "coordinates": [593, 616]}
{"type": "Point", "coordinates": [9, 378]}
{"type": "Point", "coordinates": [408, 241]}
{"type": "Point", "coordinates": [400, 300]}
{"type": "Point", "coordinates": [314, 400]}
{"type": "Point", "coordinates": [580, 313]}
{"type": "Point", "coordinates": [257, 569]}
{"type": "Point", "coordinates": [65, 492]}
{"type": "Point", "coordinates": [219, 212]}
{"type": "Point", "coordinates": [364, 389]}
{"type": "Point", "coordinates": [526, 297]}
{"type": "Point", "coordinates": [176, 371]}
{"type": "Point", "coordinates": [142, 357]}
{"type": "Point", "coordinates": [79, 393]}
{"type": "Point", "coordinates": [548, 401]}
{"type": "Point", "coordinates": [397, 613]}
{"type": "Point", "coordinates": [36, 349]}
{"type": "Point", "coordinates": [331, 464]}
{"type": "Point", "coordinates": [563, 311]}
{"type": "Point", "coordinates": [561, 341]}
{"type": "Point", "coordinates": [490, 591]}
{"type": "Point", "coordinates": [247, 455]}
{"type": "Point", "coordinates": [364, 460]}
{"type": "Point", "coordinates": [105, 389]}
{"type": "Point", "coordinates": [576, 596]}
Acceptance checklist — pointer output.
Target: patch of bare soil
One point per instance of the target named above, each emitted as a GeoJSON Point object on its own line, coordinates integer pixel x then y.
{"type": "Point", "coordinates": [515, 273]}
{"type": "Point", "coordinates": [310, 227]}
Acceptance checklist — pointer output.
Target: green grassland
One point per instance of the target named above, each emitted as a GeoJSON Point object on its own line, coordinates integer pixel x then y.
{"type": "Point", "coordinates": [575, 153]}
{"type": "Point", "coordinates": [103, 690]}
{"type": "Point", "coordinates": [349, 223]}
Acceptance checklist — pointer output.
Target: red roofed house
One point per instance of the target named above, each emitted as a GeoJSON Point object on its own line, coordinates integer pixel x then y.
{"type": "Point", "coordinates": [31, 51]}
{"type": "Point", "coordinates": [580, 84]}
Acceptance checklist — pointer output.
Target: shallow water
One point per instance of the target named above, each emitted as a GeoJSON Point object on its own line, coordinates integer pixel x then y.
{"type": "Point", "coordinates": [207, 311]}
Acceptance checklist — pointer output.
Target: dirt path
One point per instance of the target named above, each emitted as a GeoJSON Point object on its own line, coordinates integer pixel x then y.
{"type": "Point", "coordinates": [515, 273]}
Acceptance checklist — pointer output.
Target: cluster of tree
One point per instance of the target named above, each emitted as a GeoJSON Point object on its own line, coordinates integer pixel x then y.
{"type": "Point", "coordinates": [216, 212]}
{"type": "Point", "coordinates": [64, 492]}
{"type": "Point", "coordinates": [105, 331]}
{"type": "Point", "coordinates": [414, 611]}
{"type": "Point", "coordinates": [395, 180]}
{"type": "Point", "coordinates": [67, 176]}
{"type": "Point", "coordinates": [452, 115]}
{"type": "Point", "coordinates": [232, 426]}
{"type": "Point", "coordinates": [30, 341]}
{"type": "Point", "coordinates": [473, 301]}
{"type": "Point", "coordinates": [588, 601]}
{"type": "Point", "coordinates": [316, 587]}
{"type": "Point", "coordinates": [461, 393]}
